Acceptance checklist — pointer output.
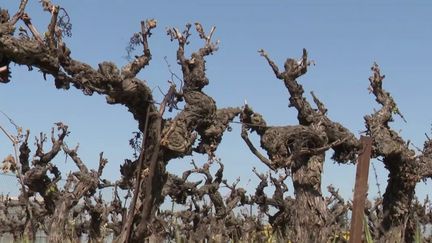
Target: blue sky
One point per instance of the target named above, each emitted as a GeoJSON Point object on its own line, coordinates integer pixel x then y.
{"type": "Point", "coordinates": [344, 38]}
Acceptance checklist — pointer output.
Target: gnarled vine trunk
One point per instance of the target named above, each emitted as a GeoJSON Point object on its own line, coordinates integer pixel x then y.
{"type": "Point", "coordinates": [301, 150]}
{"type": "Point", "coordinates": [311, 213]}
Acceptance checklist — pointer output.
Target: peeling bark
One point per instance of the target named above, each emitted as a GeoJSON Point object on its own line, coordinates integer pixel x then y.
{"type": "Point", "coordinates": [200, 117]}
{"type": "Point", "coordinates": [401, 162]}
{"type": "Point", "coordinates": [301, 150]}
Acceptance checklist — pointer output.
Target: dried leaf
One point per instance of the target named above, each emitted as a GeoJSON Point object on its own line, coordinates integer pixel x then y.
{"type": "Point", "coordinates": [151, 23]}
{"type": "Point", "coordinates": [8, 164]}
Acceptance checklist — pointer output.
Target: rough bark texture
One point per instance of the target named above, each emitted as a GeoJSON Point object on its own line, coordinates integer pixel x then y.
{"type": "Point", "coordinates": [404, 166]}
{"type": "Point", "coordinates": [84, 183]}
{"type": "Point", "coordinates": [164, 139]}
{"type": "Point", "coordinates": [301, 150]}
{"type": "Point", "coordinates": [66, 213]}
{"type": "Point", "coordinates": [44, 205]}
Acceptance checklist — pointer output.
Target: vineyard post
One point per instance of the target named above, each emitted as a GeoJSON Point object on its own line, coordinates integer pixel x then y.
{"type": "Point", "coordinates": [360, 190]}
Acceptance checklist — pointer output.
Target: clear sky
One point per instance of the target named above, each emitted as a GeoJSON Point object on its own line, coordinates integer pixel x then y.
{"type": "Point", "coordinates": [344, 38]}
